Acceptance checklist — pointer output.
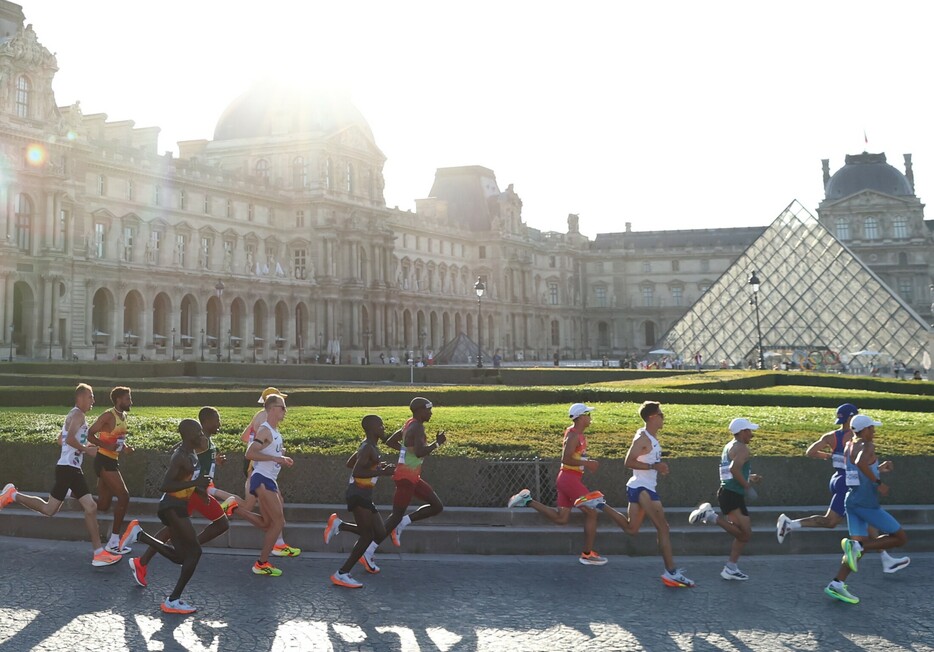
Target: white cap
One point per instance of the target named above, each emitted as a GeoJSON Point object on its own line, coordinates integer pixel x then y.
{"type": "Point", "coordinates": [861, 421]}
{"type": "Point", "coordinates": [737, 425]}
{"type": "Point", "coordinates": [579, 409]}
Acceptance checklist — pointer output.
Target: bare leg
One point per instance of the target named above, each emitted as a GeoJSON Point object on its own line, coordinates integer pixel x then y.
{"type": "Point", "coordinates": [116, 488]}
{"type": "Point", "coordinates": [272, 510]}
{"type": "Point", "coordinates": [656, 513]}
{"type": "Point", "coordinates": [557, 515]}
{"type": "Point", "coordinates": [829, 520]}
{"type": "Point", "coordinates": [90, 519]}
{"type": "Point", "coordinates": [369, 526]}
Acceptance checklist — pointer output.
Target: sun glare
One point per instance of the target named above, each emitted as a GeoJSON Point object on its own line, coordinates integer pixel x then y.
{"type": "Point", "coordinates": [35, 155]}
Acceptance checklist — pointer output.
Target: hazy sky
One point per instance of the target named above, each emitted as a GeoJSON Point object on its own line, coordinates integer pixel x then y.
{"type": "Point", "coordinates": [669, 115]}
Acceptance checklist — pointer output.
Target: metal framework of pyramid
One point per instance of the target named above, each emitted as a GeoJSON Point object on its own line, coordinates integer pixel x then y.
{"type": "Point", "coordinates": [817, 301]}
{"type": "Point", "coordinates": [460, 350]}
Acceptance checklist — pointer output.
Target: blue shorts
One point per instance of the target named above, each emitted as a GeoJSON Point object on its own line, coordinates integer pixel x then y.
{"type": "Point", "coordinates": [257, 480]}
{"type": "Point", "coordinates": [838, 493]}
{"type": "Point", "coordinates": [858, 520]}
{"type": "Point", "coordinates": [632, 493]}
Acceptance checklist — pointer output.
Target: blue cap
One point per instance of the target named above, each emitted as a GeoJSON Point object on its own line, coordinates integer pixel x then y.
{"type": "Point", "coordinates": [845, 411]}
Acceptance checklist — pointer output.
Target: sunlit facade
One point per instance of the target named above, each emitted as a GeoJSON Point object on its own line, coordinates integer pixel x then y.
{"type": "Point", "coordinates": [272, 241]}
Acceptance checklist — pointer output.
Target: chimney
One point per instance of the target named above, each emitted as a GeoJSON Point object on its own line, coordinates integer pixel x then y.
{"type": "Point", "coordinates": [628, 227]}
{"type": "Point", "coordinates": [909, 172]}
{"type": "Point", "coordinates": [825, 163]}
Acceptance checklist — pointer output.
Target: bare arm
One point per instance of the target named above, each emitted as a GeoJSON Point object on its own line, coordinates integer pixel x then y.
{"type": "Point", "coordinates": [640, 446]}
{"type": "Point", "coordinates": [177, 476]}
{"type": "Point", "coordinates": [103, 423]}
{"type": "Point", "coordinates": [254, 425]}
{"type": "Point", "coordinates": [394, 440]}
{"type": "Point", "coordinates": [420, 445]}
{"type": "Point", "coordinates": [366, 459]}
{"type": "Point", "coordinates": [819, 449]}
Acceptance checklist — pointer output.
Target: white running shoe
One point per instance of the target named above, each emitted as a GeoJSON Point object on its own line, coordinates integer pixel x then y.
{"type": "Point", "coordinates": [677, 579]}
{"type": "Point", "coordinates": [782, 528]}
{"type": "Point", "coordinates": [593, 500]}
{"type": "Point", "coordinates": [592, 558]}
{"type": "Point", "coordinates": [700, 513]}
{"type": "Point", "coordinates": [345, 580]}
{"type": "Point", "coordinates": [521, 499]}
{"type": "Point", "coordinates": [737, 574]}
{"type": "Point", "coordinates": [369, 563]}
{"type": "Point", "coordinates": [892, 564]}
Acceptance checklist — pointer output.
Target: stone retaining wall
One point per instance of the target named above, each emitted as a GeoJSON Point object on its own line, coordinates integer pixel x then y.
{"type": "Point", "coordinates": [482, 483]}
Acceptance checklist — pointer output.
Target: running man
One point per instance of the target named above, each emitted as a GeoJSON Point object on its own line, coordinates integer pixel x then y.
{"type": "Point", "coordinates": [281, 549]}
{"type": "Point", "coordinates": [645, 459]}
{"type": "Point", "coordinates": [830, 447]}
{"type": "Point", "coordinates": [413, 449]}
{"type": "Point", "coordinates": [862, 506]}
{"type": "Point", "coordinates": [266, 453]}
{"type": "Point", "coordinates": [70, 477]}
{"type": "Point", "coordinates": [369, 524]}
{"type": "Point", "coordinates": [205, 504]}
{"type": "Point", "coordinates": [109, 433]}
{"type": "Point", "coordinates": [182, 480]}
{"type": "Point", "coordinates": [736, 482]}
{"type": "Point", "coordinates": [571, 489]}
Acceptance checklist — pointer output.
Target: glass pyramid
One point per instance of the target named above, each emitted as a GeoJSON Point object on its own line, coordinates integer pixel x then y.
{"type": "Point", "coordinates": [818, 305]}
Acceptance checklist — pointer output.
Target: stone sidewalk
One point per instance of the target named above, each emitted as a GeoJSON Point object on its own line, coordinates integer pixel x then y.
{"type": "Point", "coordinates": [51, 599]}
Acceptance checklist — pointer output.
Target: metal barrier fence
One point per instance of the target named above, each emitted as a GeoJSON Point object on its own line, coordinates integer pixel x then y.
{"type": "Point", "coordinates": [495, 481]}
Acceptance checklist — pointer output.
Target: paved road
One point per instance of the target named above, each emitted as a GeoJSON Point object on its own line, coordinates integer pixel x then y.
{"type": "Point", "coordinates": [52, 599]}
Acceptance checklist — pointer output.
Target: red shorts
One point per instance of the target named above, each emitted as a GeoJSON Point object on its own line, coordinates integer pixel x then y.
{"type": "Point", "coordinates": [570, 487]}
{"type": "Point", "coordinates": [210, 510]}
{"type": "Point", "coordinates": [405, 490]}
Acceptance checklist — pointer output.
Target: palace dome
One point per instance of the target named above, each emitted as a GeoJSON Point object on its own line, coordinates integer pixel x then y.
{"type": "Point", "coordinates": [270, 109]}
{"type": "Point", "coordinates": [867, 172]}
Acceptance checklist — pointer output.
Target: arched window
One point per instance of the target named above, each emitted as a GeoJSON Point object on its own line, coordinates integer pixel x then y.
{"type": "Point", "coordinates": [262, 168]}
{"type": "Point", "coordinates": [22, 96]}
{"type": "Point", "coordinates": [328, 174]}
{"type": "Point", "coordinates": [23, 222]}
{"type": "Point", "coordinates": [555, 333]}
{"type": "Point", "coordinates": [349, 177]}
{"type": "Point", "coordinates": [871, 228]}
{"type": "Point", "coordinates": [649, 333]}
{"type": "Point", "coordinates": [603, 335]}
{"type": "Point", "coordinates": [299, 173]}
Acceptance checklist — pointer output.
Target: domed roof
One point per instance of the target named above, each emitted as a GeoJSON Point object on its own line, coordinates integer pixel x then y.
{"type": "Point", "coordinates": [867, 172]}
{"type": "Point", "coordinates": [277, 109]}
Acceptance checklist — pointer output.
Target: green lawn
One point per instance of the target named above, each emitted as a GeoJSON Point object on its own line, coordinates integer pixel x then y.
{"type": "Point", "coordinates": [508, 431]}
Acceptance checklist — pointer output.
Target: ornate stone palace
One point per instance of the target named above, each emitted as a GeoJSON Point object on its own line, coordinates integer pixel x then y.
{"type": "Point", "coordinates": [272, 241]}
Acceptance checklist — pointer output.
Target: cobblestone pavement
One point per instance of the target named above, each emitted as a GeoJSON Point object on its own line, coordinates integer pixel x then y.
{"type": "Point", "coordinates": [52, 599]}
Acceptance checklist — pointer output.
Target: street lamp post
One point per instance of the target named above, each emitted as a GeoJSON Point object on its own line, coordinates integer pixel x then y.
{"type": "Point", "coordinates": [479, 288]}
{"type": "Point", "coordinates": [754, 283]}
{"type": "Point", "coordinates": [299, 349]}
{"type": "Point", "coordinates": [202, 345]}
{"type": "Point", "coordinates": [173, 343]}
{"type": "Point", "coordinates": [11, 344]}
{"type": "Point", "coordinates": [50, 342]}
{"type": "Point", "coordinates": [219, 292]}
{"type": "Point", "coordinates": [254, 348]}
{"type": "Point", "coordinates": [228, 345]}
{"type": "Point", "coordinates": [422, 336]}
{"type": "Point", "coordinates": [366, 346]}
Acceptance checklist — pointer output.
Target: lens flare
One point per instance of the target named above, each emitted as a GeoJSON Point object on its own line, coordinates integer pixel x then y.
{"type": "Point", "coordinates": [35, 155]}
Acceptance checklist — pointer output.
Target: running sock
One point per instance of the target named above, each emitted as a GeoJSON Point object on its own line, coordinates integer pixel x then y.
{"type": "Point", "coordinates": [794, 525]}
{"type": "Point", "coordinates": [99, 551]}
{"type": "Point", "coordinates": [370, 549]}
{"type": "Point", "coordinates": [671, 571]}
{"type": "Point", "coordinates": [731, 566]}
{"type": "Point", "coordinates": [406, 520]}
{"type": "Point", "coordinates": [280, 541]}
{"type": "Point", "coordinates": [114, 540]}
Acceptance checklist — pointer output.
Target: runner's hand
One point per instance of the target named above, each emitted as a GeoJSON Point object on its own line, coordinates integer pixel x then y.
{"type": "Point", "coordinates": [286, 461]}
{"type": "Point", "coordinates": [91, 450]}
{"type": "Point", "coordinates": [590, 465]}
{"type": "Point", "coordinates": [127, 448]}
{"type": "Point", "coordinates": [887, 466]}
{"type": "Point", "coordinates": [755, 478]}
{"type": "Point", "coordinates": [662, 467]}
{"type": "Point", "coordinates": [441, 438]}
{"type": "Point", "coordinates": [221, 459]}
